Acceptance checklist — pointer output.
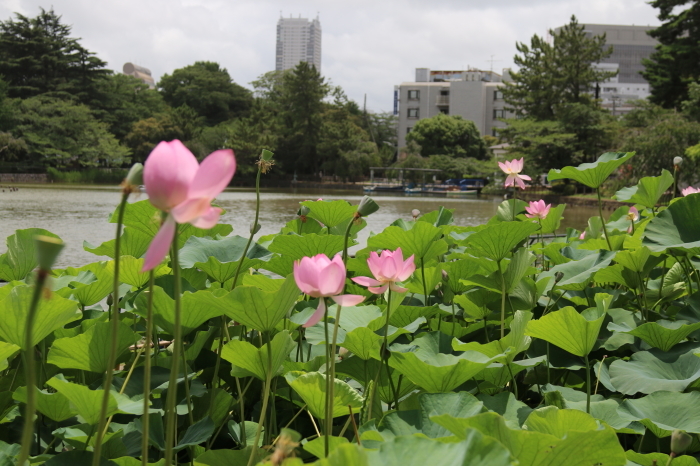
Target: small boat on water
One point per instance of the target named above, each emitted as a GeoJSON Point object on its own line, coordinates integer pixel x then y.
{"type": "Point", "coordinates": [384, 188]}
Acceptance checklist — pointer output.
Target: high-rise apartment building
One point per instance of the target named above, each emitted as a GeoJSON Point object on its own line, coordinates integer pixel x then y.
{"type": "Point", "coordinates": [298, 39]}
{"type": "Point", "coordinates": [139, 72]}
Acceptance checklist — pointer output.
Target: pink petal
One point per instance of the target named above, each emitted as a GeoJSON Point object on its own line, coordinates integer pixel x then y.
{"type": "Point", "coordinates": [510, 180]}
{"type": "Point", "coordinates": [318, 315]}
{"type": "Point", "coordinates": [525, 177]}
{"type": "Point", "coordinates": [306, 276]}
{"type": "Point", "coordinates": [517, 165]}
{"type": "Point", "coordinates": [398, 260]}
{"type": "Point", "coordinates": [331, 279]}
{"type": "Point", "coordinates": [378, 290]}
{"type": "Point", "coordinates": [389, 269]}
{"type": "Point", "coordinates": [168, 173]}
{"type": "Point", "coordinates": [504, 167]}
{"type": "Point", "coordinates": [160, 244]}
{"type": "Point", "coordinates": [366, 281]}
{"type": "Point", "coordinates": [191, 209]}
{"type": "Point", "coordinates": [520, 182]}
{"type": "Point", "coordinates": [375, 264]}
{"type": "Point", "coordinates": [214, 175]}
{"type": "Point", "coordinates": [346, 300]}
{"type": "Point", "coordinates": [208, 220]}
{"type": "Point", "coordinates": [408, 268]}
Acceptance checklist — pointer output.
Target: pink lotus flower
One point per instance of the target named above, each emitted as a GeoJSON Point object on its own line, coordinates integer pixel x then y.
{"type": "Point", "coordinates": [633, 214]}
{"type": "Point", "coordinates": [512, 169]}
{"type": "Point", "coordinates": [183, 188]}
{"type": "Point", "coordinates": [387, 269]}
{"type": "Point", "coordinates": [582, 236]}
{"type": "Point", "coordinates": [690, 190]}
{"type": "Point", "coordinates": [320, 277]}
{"type": "Point", "coordinates": [538, 209]}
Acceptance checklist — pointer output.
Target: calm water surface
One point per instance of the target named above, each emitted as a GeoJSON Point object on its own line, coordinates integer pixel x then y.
{"type": "Point", "coordinates": [78, 214]}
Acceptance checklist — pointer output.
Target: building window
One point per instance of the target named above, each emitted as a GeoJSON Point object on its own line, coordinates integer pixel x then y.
{"type": "Point", "coordinates": [444, 93]}
{"type": "Point", "coordinates": [499, 113]}
{"type": "Point", "coordinates": [413, 95]}
{"type": "Point", "coordinates": [609, 89]}
{"type": "Point", "coordinates": [408, 130]}
{"type": "Point", "coordinates": [497, 95]}
{"type": "Point", "coordinates": [446, 111]}
{"type": "Point", "coordinates": [412, 113]}
{"type": "Point", "coordinates": [494, 132]}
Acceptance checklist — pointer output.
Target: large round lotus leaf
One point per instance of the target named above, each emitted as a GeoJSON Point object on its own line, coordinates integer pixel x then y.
{"type": "Point", "coordinates": [662, 412]}
{"type": "Point", "coordinates": [677, 228]}
{"type": "Point", "coordinates": [645, 373]}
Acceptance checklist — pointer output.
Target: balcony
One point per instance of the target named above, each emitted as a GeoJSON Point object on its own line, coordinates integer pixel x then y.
{"type": "Point", "coordinates": [443, 101]}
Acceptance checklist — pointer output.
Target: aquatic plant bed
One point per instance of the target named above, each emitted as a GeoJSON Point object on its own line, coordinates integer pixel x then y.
{"type": "Point", "coordinates": [435, 344]}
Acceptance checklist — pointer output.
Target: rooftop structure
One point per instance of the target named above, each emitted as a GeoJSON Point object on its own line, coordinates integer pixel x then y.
{"type": "Point", "coordinates": [139, 72]}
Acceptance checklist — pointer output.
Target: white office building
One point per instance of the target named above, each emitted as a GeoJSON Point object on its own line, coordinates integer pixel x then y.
{"type": "Point", "coordinates": [473, 94]}
{"type": "Point", "coordinates": [298, 39]}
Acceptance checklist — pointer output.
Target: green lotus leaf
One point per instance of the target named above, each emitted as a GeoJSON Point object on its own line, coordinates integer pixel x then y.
{"type": "Point", "coordinates": [422, 241]}
{"type": "Point", "coordinates": [658, 459]}
{"type": "Point", "coordinates": [475, 450]}
{"type": "Point", "coordinates": [86, 402]}
{"type": "Point", "coordinates": [97, 290]}
{"type": "Point", "coordinates": [220, 257]}
{"type": "Point", "coordinates": [258, 309]}
{"type": "Point", "coordinates": [311, 387]}
{"type": "Point", "coordinates": [433, 367]}
{"type": "Point", "coordinates": [317, 446]}
{"type": "Point", "coordinates": [497, 241]}
{"type": "Point", "coordinates": [648, 190]}
{"type": "Point", "coordinates": [130, 271]}
{"type": "Point", "coordinates": [645, 373]}
{"type": "Point", "coordinates": [20, 258]}
{"type": "Point", "coordinates": [409, 422]}
{"type": "Point", "coordinates": [197, 433]}
{"type": "Point", "coordinates": [249, 430]}
{"type": "Point", "coordinates": [255, 360]}
{"type": "Point", "coordinates": [550, 224]}
{"type": "Point", "coordinates": [7, 351]}
{"type": "Point", "coordinates": [52, 314]}
{"type": "Point", "coordinates": [514, 412]}
{"type": "Point", "coordinates": [293, 247]}
{"type": "Point", "coordinates": [132, 243]}
{"type": "Point", "coordinates": [230, 457]}
{"type": "Point", "coordinates": [559, 422]}
{"type": "Point", "coordinates": [363, 343]}
{"type": "Point", "coordinates": [662, 412]}
{"type": "Point", "coordinates": [509, 346]}
{"type": "Point", "coordinates": [592, 174]}
{"type": "Point", "coordinates": [579, 273]}
{"type": "Point", "coordinates": [532, 448]}
{"type": "Point", "coordinates": [330, 213]}
{"type": "Point", "coordinates": [197, 308]}
{"type": "Point", "coordinates": [52, 405]}
{"type": "Point", "coordinates": [569, 330]}
{"type": "Point", "coordinates": [662, 334]}
{"type": "Point", "coordinates": [88, 350]}
{"type": "Point", "coordinates": [365, 371]}
{"type": "Point", "coordinates": [505, 209]}
{"type": "Point", "coordinates": [676, 229]}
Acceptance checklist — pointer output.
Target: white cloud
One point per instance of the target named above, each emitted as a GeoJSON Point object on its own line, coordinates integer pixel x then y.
{"type": "Point", "coordinates": [368, 45]}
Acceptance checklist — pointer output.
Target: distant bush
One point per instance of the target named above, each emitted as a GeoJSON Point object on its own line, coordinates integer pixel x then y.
{"type": "Point", "coordinates": [87, 176]}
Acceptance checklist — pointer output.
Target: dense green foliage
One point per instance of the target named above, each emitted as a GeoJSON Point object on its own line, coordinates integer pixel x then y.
{"type": "Point", "coordinates": [449, 135]}
{"type": "Point", "coordinates": [504, 349]}
{"type": "Point", "coordinates": [676, 62]}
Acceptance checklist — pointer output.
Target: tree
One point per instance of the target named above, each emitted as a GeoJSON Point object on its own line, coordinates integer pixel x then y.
{"type": "Point", "coordinates": [38, 56]}
{"type": "Point", "coordinates": [181, 123]}
{"type": "Point", "coordinates": [250, 135]}
{"type": "Point", "coordinates": [300, 107]}
{"type": "Point", "coordinates": [448, 135]}
{"type": "Point", "coordinates": [676, 62]}
{"type": "Point", "coordinates": [60, 134]}
{"type": "Point", "coordinates": [551, 75]}
{"type": "Point", "coordinates": [126, 100]}
{"type": "Point", "coordinates": [543, 143]}
{"type": "Point", "coordinates": [208, 89]}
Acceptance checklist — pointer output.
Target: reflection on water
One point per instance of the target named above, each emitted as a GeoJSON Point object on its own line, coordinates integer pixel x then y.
{"type": "Point", "coordinates": [78, 214]}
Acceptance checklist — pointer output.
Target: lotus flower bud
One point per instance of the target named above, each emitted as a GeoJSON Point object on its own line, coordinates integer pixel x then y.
{"type": "Point", "coordinates": [558, 277]}
{"type": "Point", "coordinates": [415, 213]}
{"type": "Point", "coordinates": [678, 161]}
{"type": "Point", "coordinates": [303, 211]}
{"type": "Point", "coordinates": [367, 206]}
{"type": "Point", "coordinates": [680, 441]}
{"type": "Point", "coordinates": [47, 250]}
{"type": "Point", "coordinates": [135, 175]}
{"type": "Point", "coordinates": [445, 275]}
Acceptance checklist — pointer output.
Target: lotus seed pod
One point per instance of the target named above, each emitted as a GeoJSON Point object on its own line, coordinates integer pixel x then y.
{"type": "Point", "coordinates": [367, 206]}
{"type": "Point", "coordinates": [47, 250]}
{"type": "Point", "coordinates": [266, 155]}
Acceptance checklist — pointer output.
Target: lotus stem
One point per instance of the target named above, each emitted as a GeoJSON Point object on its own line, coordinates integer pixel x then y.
{"type": "Point", "coordinates": [425, 289]}
{"type": "Point", "coordinates": [514, 201]}
{"type": "Point", "coordinates": [171, 399]}
{"type": "Point", "coordinates": [602, 220]}
{"type": "Point", "coordinates": [503, 300]}
{"type": "Point", "coordinates": [30, 370]}
{"type": "Point", "coordinates": [253, 228]}
{"type": "Point", "coordinates": [588, 384]}
{"type": "Point", "coordinates": [331, 396]}
{"type": "Point", "coordinates": [145, 420]}
{"type": "Point", "coordinates": [266, 398]}
{"type": "Point", "coordinates": [114, 333]}
{"type": "Point", "coordinates": [327, 419]}
{"type": "Point", "coordinates": [346, 238]}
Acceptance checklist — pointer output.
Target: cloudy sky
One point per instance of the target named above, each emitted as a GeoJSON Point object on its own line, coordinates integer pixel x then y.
{"type": "Point", "coordinates": [368, 45]}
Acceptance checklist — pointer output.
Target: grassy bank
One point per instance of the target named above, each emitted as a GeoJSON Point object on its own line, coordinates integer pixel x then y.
{"type": "Point", "coordinates": [87, 176]}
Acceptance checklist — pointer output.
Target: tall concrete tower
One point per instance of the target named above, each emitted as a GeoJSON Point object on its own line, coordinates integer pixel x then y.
{"type": "Point", "coordinates": [298, 39]}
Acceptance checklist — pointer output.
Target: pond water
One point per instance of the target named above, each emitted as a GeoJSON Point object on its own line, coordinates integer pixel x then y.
{"type": "Point", "coordinates": [81, 213]}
